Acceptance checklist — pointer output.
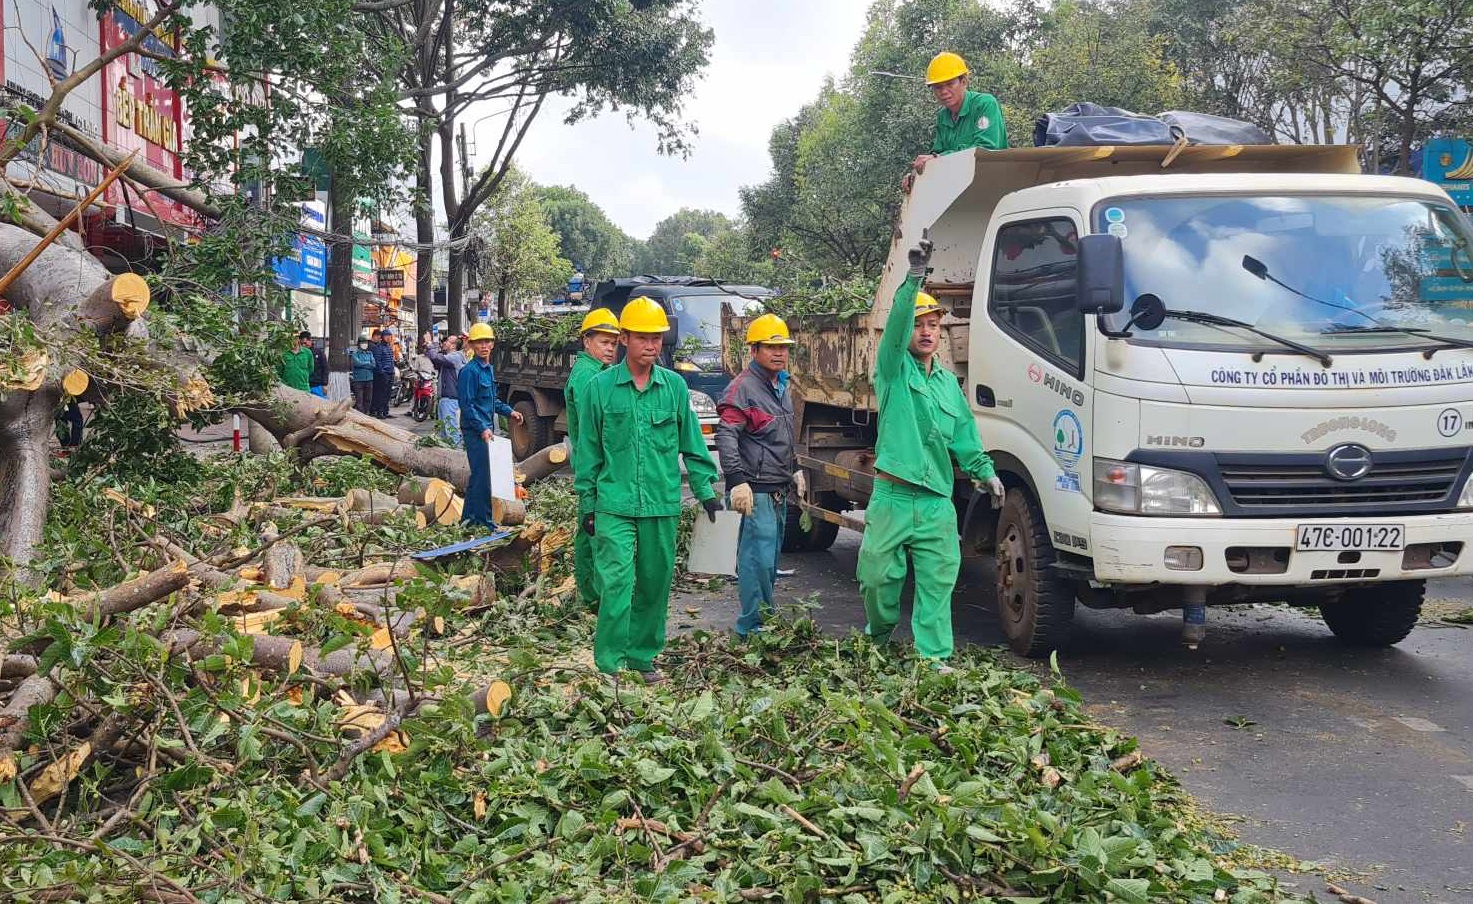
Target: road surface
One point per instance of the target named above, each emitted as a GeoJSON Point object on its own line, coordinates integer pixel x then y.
{"type": "Point", "coordinates": [1359, 760]}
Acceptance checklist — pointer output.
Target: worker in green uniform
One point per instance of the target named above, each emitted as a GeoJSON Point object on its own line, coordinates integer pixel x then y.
{"type": "Point", "coordinates": [635, 424]}
{"type": "Point", "coordinates": [924, 422]}
{"type": "Point", "coordinates": [600, 331]}
{"type": "Point", "coordinates": [295, 369]}
{"type": "Point", "coordinates": [967, 119]}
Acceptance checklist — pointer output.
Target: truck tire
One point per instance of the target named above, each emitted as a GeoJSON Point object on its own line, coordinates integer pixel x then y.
{"type": "Point", "coordinates": [531, 435]}
{"type": "Point", "coordinates": [1035, 606]}
{"type": "Point", "coordinates": [1379, 616]}
{"type": "Point", "coordinates": [823, 534]}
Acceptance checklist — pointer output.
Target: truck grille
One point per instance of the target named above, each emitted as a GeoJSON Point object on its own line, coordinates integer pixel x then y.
{"type": "Point", "coordinates": [1396, 480]}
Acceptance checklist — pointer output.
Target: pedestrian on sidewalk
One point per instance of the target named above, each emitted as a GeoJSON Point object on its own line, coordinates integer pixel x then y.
{"type": "Point", "coordinates": [318, 380]}
{"type": "Point", "coordinates": [635, 425]}
{"type": "Point", "coordinates": [924, 422]}
{"type": "Point", "coordinates": [383, 372]}
{"type": "Point", "coordinates": [476, 389]}
{"type": "Point", "coordinates": [295, 369]}
{"type": "Point", "coordinates": [363, 367]}
{"type": "Point", "coordinates": [448, 360]}
{"type": "Point", "coordinates": [755, 439]}
{"type": "Point", "coordinates": [600, 347]}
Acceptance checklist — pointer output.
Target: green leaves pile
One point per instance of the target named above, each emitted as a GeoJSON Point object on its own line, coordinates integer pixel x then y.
{"type": "Point", "coordinates": [795, 767]}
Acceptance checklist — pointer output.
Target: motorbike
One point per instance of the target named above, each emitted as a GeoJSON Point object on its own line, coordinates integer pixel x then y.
{"type": "Point", "coordinates": [401, 384]}
{"type": "Point", "coordinates": [424, 396]}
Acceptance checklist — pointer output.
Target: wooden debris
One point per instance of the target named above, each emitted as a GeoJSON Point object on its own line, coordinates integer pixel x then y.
{"type": "Point", "coordinates": [1346, 897]}
{"type": "Point", "coordinates": [75, 382]}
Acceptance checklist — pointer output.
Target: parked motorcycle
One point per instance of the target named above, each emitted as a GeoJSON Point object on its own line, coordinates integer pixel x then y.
{"type": "Point", "coordinates": [401, 385]}
{"type": "Point", "coordinates": [424, 397]}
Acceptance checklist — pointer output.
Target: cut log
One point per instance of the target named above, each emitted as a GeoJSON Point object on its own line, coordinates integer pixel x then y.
{"type": "Point", "coordinates": [480, 590]}
{"type": "Point", "coordinates": [384, 515]}
{"type": "Point", "coordinates": [114, 304]}
{"type": "Point", "coordinates": [508, 512]}
{"type": "Point", "coordinates": [381, 573]}
{"type": "Point", "coordinates": [361, 500]}
{"type": "Point", "coordinates": [75, 383]}
{"type": "Point", "coordinates": [426, 491]}
{"type": "Point", "coordinates": [135, 594]}
{"type": "Point", "coordinates": [545, 463]}
{"type": "Point", "coordinates": [316, 574]}
{"type": "Point", "coordinates": [15, 716]}
{"type": "Point", "coordinates": [283, 565]}
{"type": "Point", "coordinates": [275, 654]}
{"type": "Point", "coordinates": [491, 698]}
{"type": "Point", "coordinates": [347, 663]}
{"type": "Point", "coordinates": [17, 665]}
{"type": "Point", "coordinates": [323, 504]}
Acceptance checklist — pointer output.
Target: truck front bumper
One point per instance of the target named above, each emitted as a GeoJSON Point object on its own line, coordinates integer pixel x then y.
{"type": "Point", "coordinates": [1133, 550]}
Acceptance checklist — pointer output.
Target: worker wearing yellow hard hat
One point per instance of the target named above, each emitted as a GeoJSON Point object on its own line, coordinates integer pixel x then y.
{"type": "Point", "coordinates": [967, 119]}
{"type": "Point", "coordinates": [479, 405]}
{"type": "Point", "coordinates": [600, 329]}
{"type": "Point", "coordinates": [924, 423]}
{"type": "Point", "coordinates": [755, 439]}
{"type": "Point", "coordinates": [635, 425]}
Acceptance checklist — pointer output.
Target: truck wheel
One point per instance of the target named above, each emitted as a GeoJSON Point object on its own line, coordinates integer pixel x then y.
{"type": "Point", "coordinates": [531, 435]}
{"type": "Point", "coordinates": [823, 534]}
{"type": "Point", "coordinates": [1377, 616]}
{"type": "Point", "coordinates": [1035, 606]}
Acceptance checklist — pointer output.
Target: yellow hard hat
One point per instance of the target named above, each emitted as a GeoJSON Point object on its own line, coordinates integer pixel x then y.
{"type": "Point", "coordinates": [643, 315]}
{"type": "Point", "coordinates": [599, 320]}
{"type": "Point", "coordinates": [944, 67]}
{"type": "Point", "coordinates": [768, 329]}
{"type": "Point", "coordinates": [481, 331]}
{"type": "Point", "coordinates": [926, 304]}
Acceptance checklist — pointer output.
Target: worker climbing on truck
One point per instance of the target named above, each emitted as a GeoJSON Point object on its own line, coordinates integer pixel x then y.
{"type": "Point", "coordinates": [755, 439]}
{"type": "Point", "coordinates": [967, 119]}
{"type": "Point", "coordinates": [924, 421]}
{"type": "Point", "coordinates": [635, 426]}
{"type": "Point", "coordinates": [600, 331]}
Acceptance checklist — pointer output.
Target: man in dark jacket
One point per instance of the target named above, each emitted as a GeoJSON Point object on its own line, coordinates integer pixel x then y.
{"type": "Point", "coordinates": [318, 381]}
{"type": "Point", "coordinates": [383, 359]}
{"type": "Point", "coordinates": [755, 439]}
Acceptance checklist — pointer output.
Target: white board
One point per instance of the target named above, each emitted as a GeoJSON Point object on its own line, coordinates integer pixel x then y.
{"type": "Point", "coordinates": [503, 480]}
{"type": "Point", "coordinates": [713, 545]}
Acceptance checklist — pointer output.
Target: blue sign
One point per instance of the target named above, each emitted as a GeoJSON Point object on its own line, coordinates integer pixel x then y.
{"type": "Point", "coordinates": [305, 267]}
{"type": "Point", "coordinates": [1449, 163]}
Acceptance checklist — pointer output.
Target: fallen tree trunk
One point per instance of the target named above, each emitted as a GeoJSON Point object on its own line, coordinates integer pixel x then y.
{"type": "Point", "coordinates": [15, 716]}
{"type": "Point", "coordinates": [545, 463]}
{"type": "Point", "coordinates": [276, 654]}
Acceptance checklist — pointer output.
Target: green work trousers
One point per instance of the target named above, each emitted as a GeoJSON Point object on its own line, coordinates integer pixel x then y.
{"type": "Point", "coordinates": [583, 568]}
{"type": "Point", "coordinates": [637, 564]}
{"type": "Point", "coordinates": [903, 521]}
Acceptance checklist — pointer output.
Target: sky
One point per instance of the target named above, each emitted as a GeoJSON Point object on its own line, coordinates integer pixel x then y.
{"type": "Point", "coordinates": [770, 58]}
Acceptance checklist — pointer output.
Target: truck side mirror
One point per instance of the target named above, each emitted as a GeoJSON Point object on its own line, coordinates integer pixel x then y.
{"type": "Point", "coordinates": [1101, 276]}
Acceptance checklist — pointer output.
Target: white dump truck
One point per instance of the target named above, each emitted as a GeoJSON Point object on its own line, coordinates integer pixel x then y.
{"type": "Point", "coordinates": [1209, 375]}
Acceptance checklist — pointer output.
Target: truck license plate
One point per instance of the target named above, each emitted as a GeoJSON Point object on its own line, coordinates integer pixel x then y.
{"type": "Point", "coordinates": [1357, 537]}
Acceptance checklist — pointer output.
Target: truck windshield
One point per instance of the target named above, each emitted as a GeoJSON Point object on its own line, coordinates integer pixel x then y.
{"type": "Point", "coordinates": [1341, 273]}
{"type": "Point", "coordinates": [699, 320]}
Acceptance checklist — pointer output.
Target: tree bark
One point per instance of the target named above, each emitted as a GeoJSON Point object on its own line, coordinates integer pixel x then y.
{"type": "Point", "coordinates": [342, 297]}
{"type": "Point", "coordinates": [424, 230]}
{"type": "Point", "coordinates": [25, 475]}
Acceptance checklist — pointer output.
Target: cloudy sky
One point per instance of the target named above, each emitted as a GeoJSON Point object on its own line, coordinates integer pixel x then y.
{"type": "Point", "coordinates": [770, 58]}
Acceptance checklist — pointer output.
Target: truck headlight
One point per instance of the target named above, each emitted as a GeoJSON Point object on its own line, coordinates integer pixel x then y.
{"type": "Point", "coordinates": [1134, 489]}
{"type": "Point", "coordinates": [702, 404]}
{"type": "Point", "coordinates": [1465, 498]}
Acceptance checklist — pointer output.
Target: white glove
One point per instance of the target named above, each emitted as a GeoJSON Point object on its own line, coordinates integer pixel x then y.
{"type": "Point", "coordinates": [998, 491]}
{"type": "Point", "coordinates": [800, 483]}
{"type": "Point", "coordinates": [741, 498]}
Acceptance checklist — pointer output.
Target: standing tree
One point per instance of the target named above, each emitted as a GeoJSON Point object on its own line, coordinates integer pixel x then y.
{"type": "Point", "coordinates": [586, 235]}
{"type": "Point", "coordinates": [668, 252]}
{"type": "Point", "coordinates": [520, 250]}
{"type": "Point", "coordinates": [641, 58]}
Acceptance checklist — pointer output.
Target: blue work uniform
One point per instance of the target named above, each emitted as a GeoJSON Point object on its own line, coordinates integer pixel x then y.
{"type": "Point", "coordinates": [479, 405]}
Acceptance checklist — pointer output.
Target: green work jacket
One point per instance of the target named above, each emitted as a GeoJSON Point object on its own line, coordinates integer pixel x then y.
{"type": "Point", "coordinates": [978, 124]}
{"type": "Point", "coordinates": [296, 368]}
{"type": "Point", "coordinates": [585, 368]}
{"type": "Point", "coordinates": [630, 443]}
{"type": "Point", "coordinates": [924, 418]}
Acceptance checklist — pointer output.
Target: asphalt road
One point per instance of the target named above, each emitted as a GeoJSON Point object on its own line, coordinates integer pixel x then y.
{"type": "Point", "coordinates": [1358, 760]}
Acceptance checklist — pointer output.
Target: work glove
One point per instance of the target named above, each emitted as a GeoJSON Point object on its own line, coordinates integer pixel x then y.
{"type": "Point", "coordinates": [800, 483]}
{"type": "Point", "coordinates": [741, 498]}
{"type": "Point", "coordinates": [588, 524]}
{"type": "Point", "coordinates": [920, 255]}
{"type": "Point", "coordinates": [998, 491]}
{"type": "Point", "coordinates": [713, 505]}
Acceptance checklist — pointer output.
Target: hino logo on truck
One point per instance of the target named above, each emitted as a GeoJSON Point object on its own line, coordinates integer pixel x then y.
{"type": "Point", "coordinates": [1182, 442]}
{"type": "Point", "coordinates": [1069, 392]}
